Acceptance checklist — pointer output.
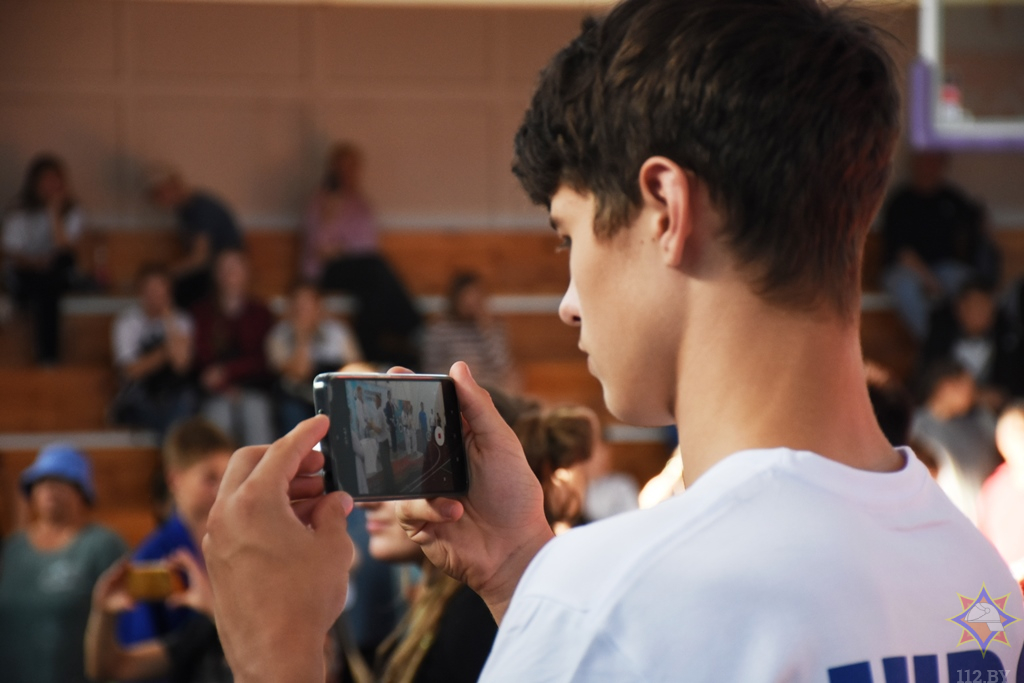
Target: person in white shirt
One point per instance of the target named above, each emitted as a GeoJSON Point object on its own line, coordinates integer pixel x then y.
{"type": "Point", "coordinates": [39, 238]}
{"type": "Point", "coordinates": [713, 167]}
{"type": "Point", "coordinates": [382, 433]}
{"type": "Point", "coordinates": [300, 346]}
{"type": "Point", "coordinates": [152, 347]}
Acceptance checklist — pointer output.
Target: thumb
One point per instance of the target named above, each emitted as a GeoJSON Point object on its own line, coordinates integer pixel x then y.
{"type": "Point", "coordinates": [476, 404]}
{"type": "Point", "coordinates": [330, 512]}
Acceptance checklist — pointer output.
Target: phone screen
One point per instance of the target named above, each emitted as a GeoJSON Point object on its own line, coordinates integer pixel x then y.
{"type": "Point", "coordinates": [392, 437]}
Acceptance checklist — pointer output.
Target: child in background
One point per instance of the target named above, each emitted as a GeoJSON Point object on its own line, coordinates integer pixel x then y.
{"type": "Point", "coordinates": [195, 456]}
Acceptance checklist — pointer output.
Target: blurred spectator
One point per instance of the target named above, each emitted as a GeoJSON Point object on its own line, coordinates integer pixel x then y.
{"type": "Point", "coordinates": [195, 456]}
{"type": "Point", "coordinates": [448, 631]}
{"type": "Point", "coordinates": [231, 333]}
{"type": "Point", "coordinates": [48, 571]}
{"type": "Point", "coordinates": [152, 343]}
{"type": "Point", "coordinates": [303, 344]}
{"type": "Point", "coordinates": [1001, 502]}
{"type": "Point", "coordinates": [40, 234]}
{"type": "Point", "coordinates": [555, 440]}
{"type": "Point", "coordinates": [935, 240]}
{"type": "Point", "coordinates": [606, 491]}
{"type": "Point", "coordinates": [468, 333]}
{"type": "Point", "coordinates": [207, 228]}
{"type": "Point", "coordinates": [190, 654]}
{"type": "Point", "coordinates": [960, 433]}
{"type": "Point", "coordinates": [341, 252]}
{"type": "Point", "coordinates": [973, 331]}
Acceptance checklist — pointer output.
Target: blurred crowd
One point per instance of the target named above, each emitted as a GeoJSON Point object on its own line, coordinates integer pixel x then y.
{"type": "Point", "coordinates": [196, 341]}
{"type": "Point", "coordinates": [208, 367]}
{"type": "Point", "coordinates": [72, 609]}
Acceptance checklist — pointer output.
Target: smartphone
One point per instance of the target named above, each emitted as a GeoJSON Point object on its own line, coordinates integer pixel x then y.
{"type": "Point", "coordinates": [392, 436]}
{"type": "Point", "coordinates": [152, 581]}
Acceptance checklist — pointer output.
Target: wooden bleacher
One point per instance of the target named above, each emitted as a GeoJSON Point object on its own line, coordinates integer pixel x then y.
{"type": "Point", "coordinates": [520, 266]}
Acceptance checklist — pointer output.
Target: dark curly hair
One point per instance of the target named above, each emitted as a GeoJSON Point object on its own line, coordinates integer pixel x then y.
{"type": "Point", "coordinates": [787, 110]}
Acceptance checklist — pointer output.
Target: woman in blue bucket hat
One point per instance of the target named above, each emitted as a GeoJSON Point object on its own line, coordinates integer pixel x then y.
{"type": "Point", "coordinates": [47, 570]}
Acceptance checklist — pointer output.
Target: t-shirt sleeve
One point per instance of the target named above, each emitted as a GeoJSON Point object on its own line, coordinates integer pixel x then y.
{"type": "Point", "coordinates": [74, 225]}
{"type": "Point", "coordinates": [110, 550]}
{"type": "Point", "coordinates": [14, 230]}
{"type": "Point", "coordinates": [547, 642]}
{"type": "Point", "coordinates": [125, 340]}
{"type": "Point", "coordinates": [278, 347]}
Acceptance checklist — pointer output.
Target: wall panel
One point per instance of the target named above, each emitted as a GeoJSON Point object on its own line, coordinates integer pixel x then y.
{"type": "Point", "coordinates": [57, 41]}
{"type": "Point", "coordinates": [247, 98]}
{"type": "Point", "coordinates": [214, 42]}
{"type": "Point", "coordinates": [406, 47]}
{"type": "Point", "coordinates": [82, 129]}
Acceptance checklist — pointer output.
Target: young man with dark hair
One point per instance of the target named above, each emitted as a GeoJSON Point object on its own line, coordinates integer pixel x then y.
{"type": "Point", "coordinates": [714, 166]}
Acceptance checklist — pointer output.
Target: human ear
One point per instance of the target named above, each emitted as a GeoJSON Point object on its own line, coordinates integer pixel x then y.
{"type": "Point", "coordinates": [666, 191]}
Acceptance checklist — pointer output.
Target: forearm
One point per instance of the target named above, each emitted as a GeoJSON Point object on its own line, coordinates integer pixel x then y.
{"type": "Point", "coordinates": [146, 364]}
{"type": "Point", "coordinates": [197, 257]}
{"type": "Point", "coordinates": [179, 352]}
{"type": "Point", "coordinates": [101, 647]}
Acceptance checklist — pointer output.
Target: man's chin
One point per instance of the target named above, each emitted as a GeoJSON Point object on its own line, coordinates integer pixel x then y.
{"type": "Point", "coordinates": [634, 412]}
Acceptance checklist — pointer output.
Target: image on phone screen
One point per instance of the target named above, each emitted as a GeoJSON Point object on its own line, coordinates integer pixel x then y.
{"type": "Point", "coordinates": [392, 438]}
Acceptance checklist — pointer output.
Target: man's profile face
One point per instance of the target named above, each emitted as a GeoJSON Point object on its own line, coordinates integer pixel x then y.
{"type": "Point", "coordinates": [609, 299]}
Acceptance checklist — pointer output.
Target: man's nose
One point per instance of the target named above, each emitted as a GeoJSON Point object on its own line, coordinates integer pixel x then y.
{"type": "Point", "coordinates": [569, 309]}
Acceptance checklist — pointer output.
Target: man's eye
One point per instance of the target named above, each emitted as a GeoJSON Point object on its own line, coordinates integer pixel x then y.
{"type": "Point", "coordinates": [564, 244]}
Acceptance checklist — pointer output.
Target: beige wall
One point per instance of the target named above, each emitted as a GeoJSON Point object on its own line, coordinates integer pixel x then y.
{"type": "Point", "coordinates": [246, 98]}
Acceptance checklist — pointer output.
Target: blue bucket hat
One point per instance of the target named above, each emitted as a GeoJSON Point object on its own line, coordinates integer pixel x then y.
{"type": "Point", "coordinates": [61, 461]}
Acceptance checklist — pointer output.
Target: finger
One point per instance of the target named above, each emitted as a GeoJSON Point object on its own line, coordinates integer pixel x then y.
{"type": "Point", "coordinates": [240, 466]}
{"type": "Point", "coordinates": [305, 487]}
{"type": "Point", "coordinates": [476, 404]}
{"type": "Point", "coordinates": [281, 462]}
{"type": "Point", "coordinates": [113, 576]}
{"type": "Point", "coordinates": [330, 512]}
{"type": "Point", "coordinates": [399, 370]}
{"type": "Point", "coordinates": [183, 560]}
{"type": "Point", "coordinates": [313, 463]}
{"type": "Point", "coordinates": [413, 514]}
{"type": "Point", "coordinates": [175, 600]}
{"type": "Point", "coordinates": [303, 509]}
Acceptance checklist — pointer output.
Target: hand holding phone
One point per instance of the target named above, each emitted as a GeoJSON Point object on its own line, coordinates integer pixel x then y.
{"type": "Point", "coordinates": [278, 556]}
{"type": "Point", "coordinates": [488, 537]}
{"type": "Point", "coordinates": [392, 436]}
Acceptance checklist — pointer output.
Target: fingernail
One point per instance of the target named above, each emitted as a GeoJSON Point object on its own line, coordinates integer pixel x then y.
{"type": "Point", "coordinates": [448, 510]}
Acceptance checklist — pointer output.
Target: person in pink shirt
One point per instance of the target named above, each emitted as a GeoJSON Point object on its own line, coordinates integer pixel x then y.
{"type": "Point", "coordinates": [1001, 501]}
{"type": "Point", "coordinates": [340, 251]}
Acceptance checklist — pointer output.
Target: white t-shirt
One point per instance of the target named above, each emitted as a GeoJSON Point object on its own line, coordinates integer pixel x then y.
{"type": "Point", "coordinates": [333, 343]}
{"type": "Point", "coordinates": [29, 233]}
{"type": "Point", "coordinates": [135, 333]}
{"type": "Point", "coordinates": [776, 565]}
